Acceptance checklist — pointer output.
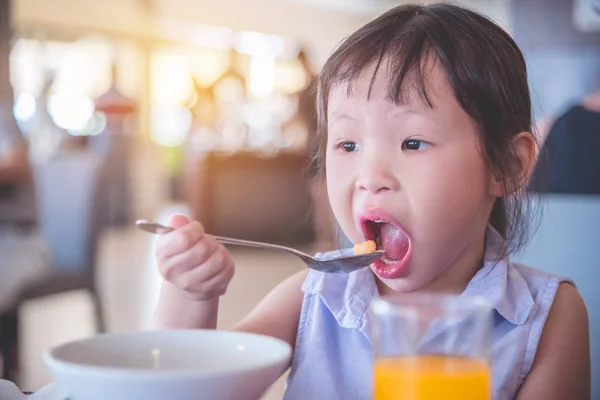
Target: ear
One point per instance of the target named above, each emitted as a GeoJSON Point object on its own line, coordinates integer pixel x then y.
{"type": "Point", "coordinates": [524, 149]}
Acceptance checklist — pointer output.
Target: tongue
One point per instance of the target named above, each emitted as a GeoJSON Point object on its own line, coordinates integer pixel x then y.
{"type": "Point", "coordinates": [394, 242]}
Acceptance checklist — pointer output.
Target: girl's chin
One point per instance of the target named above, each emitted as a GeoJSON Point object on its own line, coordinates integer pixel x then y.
{"type": "Point", "coordinates": [388, 270]}
{"type": "Point", "coordinates": [404, 284]}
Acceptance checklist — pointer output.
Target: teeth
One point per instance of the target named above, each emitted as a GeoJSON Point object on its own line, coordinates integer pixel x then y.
{"type": "Point", "coordinates": [387, 261]}
{"type": "Point", "coordinates": [379, 221]}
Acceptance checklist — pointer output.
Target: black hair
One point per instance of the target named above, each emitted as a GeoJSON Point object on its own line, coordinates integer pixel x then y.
{"type": "Point", "coordinates": [484, 68]}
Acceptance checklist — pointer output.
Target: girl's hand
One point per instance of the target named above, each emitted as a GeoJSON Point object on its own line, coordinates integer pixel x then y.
{"type": "Point", "coordinates": [193, 261]}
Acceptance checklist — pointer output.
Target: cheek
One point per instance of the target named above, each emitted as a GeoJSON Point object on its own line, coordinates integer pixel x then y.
{"type": "Point", "coordinates": [337, 173]}
{"type": "Point", "coordinates": [450, 189]}
{"type": "Point", "coordinates": [340, 189]}
{"type": "Point", "coordinates": [336, 186]}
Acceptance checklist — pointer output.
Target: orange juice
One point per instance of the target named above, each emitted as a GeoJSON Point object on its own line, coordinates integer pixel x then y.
{"type": "Point", "coordinates": [431, 377]}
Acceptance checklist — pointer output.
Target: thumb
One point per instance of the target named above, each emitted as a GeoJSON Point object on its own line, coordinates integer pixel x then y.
{"type": "Point", "coordinates": [178, 220]}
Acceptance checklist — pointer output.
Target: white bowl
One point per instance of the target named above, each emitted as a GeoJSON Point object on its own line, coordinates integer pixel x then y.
{"type": "Point", "coordinates": [164, 365]}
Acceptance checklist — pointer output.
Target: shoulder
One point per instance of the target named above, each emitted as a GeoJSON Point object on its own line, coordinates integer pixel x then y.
{"type": "Point", "coordinates": [530, 272]}
{"type": "Point", "coordinates": [561, 368]}
{"type": "Point", "coordinates": [538, 281]}
{"type": "Point", "coordinates": [572, 112]}
{"type": "Point", "coordinates": [568, 315]}
{"type": "Point", "coordinates": [547, 291]}
{"type": "Point", "coordinates": [568, 318]}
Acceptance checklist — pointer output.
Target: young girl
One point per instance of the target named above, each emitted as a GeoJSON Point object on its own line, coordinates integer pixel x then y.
{"type": "Point", "coordinates": [426, 128]}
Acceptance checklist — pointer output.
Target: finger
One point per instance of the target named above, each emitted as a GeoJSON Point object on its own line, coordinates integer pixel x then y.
{"type": "Point", "coordinates": [193, 258]}
{"type": "Point", "coordinates": [179, 241]}
{"type": "Point", "coordinates": [178, 220]}
{"type": "Point", "coordinates": [217, 285]}
{"type": "Point", "coordinates": [212, 266]}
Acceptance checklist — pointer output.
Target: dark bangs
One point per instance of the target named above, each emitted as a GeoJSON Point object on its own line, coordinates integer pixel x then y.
{"type": "Point", "coordinates": [484, 68]}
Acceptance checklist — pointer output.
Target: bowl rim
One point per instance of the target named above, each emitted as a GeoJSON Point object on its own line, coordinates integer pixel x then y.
{"type": "Point", "coordinates": [53, 361]}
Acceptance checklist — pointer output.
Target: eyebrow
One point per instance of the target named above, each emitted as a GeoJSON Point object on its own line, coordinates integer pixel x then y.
{"type": "Point", "coordinates": [337, 115]}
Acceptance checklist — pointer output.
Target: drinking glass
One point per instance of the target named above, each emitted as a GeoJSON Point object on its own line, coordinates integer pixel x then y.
{"type": "Point", "coordinates": [431, 347]}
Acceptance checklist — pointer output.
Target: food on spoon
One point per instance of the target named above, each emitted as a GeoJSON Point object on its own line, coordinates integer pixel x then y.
{"type": "Point", "coordinates": [365, 248]}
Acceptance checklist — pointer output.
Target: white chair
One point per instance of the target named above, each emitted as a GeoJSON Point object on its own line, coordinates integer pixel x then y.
{"type": "Point", "coordinates": [68, 189]}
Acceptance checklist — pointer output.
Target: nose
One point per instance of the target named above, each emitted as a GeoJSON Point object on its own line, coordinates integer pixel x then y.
{"type": "Point", "coordinates": [377, 177]}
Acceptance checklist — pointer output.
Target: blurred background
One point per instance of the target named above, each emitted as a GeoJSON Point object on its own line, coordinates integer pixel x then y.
{"type": "Point", "coordinates": [127, 109]}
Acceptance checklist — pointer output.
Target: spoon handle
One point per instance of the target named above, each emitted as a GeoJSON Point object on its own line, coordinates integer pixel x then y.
{"type": "Point", "coordinates": [159, 229]}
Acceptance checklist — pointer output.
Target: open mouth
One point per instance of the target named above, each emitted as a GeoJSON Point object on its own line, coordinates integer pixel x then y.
{"type": "Point", "coordinates": [390, 237]}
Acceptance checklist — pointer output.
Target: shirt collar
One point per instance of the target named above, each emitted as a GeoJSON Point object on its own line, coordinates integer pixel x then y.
{"type": "Point", "coordinates": [348, 296]}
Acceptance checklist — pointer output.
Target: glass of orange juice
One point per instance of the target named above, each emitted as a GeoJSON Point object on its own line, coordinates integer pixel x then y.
{"type": "Point", "coordinates": [430, 347]}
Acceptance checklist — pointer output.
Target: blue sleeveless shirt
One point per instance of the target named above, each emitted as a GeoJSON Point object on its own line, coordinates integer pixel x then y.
{"type": "Point", "coordinates": [333, 358]}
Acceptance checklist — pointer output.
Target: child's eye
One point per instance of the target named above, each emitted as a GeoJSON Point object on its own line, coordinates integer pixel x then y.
{"type": "Point", "coordinates": [413, 144]}
{"type": "Point", "coordinates": [348, 147]}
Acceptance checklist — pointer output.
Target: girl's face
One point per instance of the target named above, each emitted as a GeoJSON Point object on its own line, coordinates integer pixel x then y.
{"type": "Point", "coordinates": [411, 177]}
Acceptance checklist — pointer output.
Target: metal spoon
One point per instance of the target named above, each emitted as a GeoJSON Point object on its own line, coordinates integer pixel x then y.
{"type": "Point", "coordinates": [343, 264]}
